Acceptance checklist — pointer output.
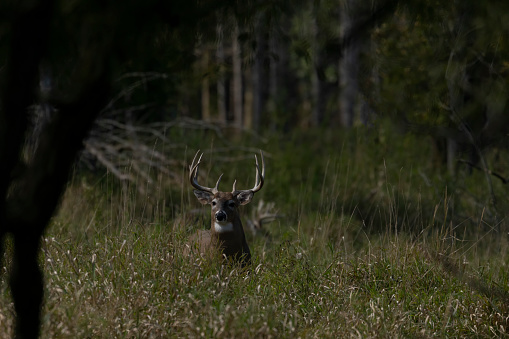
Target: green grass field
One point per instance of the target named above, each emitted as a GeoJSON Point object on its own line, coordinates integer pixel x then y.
{"type": "Point", "coordinates": [374, 239]}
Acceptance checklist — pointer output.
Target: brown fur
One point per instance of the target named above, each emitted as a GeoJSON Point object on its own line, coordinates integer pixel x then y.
{"type": "Point", "coordinates": [231, 244]}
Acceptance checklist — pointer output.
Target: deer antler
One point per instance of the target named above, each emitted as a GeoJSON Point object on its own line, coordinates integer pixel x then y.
{"type": "Point", "coordinates": [264, 213]}
{"type": "Point", "coordinates": [259, 178]}
{"type": "Point", "coordinates": [193, 176]}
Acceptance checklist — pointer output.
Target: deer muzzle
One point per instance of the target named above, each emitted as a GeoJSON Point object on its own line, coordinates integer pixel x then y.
{"type": "Point", "coordinates": [221, 216]}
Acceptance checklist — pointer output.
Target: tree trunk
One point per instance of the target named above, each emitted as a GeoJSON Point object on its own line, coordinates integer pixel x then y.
{"type": "Point", "coordinates": [348, 68]}
{"type": "Point", "coordinates": [258, 78]}
{"type": "Point", "coordinates": [237, 80]}
{"type": "Point", "coordinates": [205, 88]}
{"type": "Point", "coordinates": [19, 77]}
{"type": "Point", "coordinates": [316, 86]}
{"type": "Point", "coordinates": [316, 91]}
{"type": "Point", "coordinates": [248, 99]}
{"type": "Point", "coordinates": [273, 74]}
{"type": "Point", "coordinates": [221, 92]}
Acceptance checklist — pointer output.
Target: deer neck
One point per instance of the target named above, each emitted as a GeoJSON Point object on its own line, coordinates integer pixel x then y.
{"type": "Point", "coordinates": [230, 238]}
{"type": "Point", "coordinates": [220, 228]}
{"type": "Point", "coordinates": [227, 229]}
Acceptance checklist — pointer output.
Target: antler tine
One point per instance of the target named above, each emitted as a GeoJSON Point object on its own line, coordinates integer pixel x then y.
{"type": "Point", "coordinates": [215, 189]}
{"type": "Point", "coordinates": [259, 178]}
{"type": "Point", "coordinates": [194, 166]}
{"type": "Point", "coordinates": [193, 176]}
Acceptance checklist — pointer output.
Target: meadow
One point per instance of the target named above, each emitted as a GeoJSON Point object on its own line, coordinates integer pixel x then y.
{"type": "Point", "coordinates": [373, 238]}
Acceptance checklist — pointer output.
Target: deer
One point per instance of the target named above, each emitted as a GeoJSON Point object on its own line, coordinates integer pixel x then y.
{"type": "Point", "coordinates": [226, 235]}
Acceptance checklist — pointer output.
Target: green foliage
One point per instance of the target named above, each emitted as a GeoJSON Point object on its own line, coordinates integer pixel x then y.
{"type": "Point", "coordinates": [441, 66]}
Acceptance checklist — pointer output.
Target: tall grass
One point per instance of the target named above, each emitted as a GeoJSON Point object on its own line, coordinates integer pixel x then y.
{"type": "Point", "coordinates": [376, 241]}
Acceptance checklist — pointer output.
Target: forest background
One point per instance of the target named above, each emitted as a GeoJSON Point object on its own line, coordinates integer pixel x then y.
{"type": "Point", "coordinates": [384, 128]}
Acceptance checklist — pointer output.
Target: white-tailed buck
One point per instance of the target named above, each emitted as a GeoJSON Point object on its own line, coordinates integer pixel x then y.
{"type": "Point", "coordinates": [226, 234]}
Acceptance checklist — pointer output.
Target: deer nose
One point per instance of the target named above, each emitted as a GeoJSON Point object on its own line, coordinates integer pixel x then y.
{"type": "Point", "coordinates": [221, 216]}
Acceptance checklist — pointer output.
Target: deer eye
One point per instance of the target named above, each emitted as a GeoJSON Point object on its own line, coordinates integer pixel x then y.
{"type": "Point", "coordinates": [231, 204]}
{"type": "Point", "coordinates": [214, 203]}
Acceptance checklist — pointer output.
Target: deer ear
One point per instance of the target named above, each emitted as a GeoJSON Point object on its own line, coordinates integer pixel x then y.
{"type": "Point", "coordinates": [244, 197]}
{"type": "Point", "coordinates": [203, 197]}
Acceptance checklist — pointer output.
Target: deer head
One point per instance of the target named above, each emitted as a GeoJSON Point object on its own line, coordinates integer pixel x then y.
{"type": "Point", "coordinates": [226, 232]}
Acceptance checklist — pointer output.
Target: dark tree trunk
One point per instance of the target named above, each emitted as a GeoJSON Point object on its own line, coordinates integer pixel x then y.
{"type": "Point", "coordinates": [248, 98]}
{"type": "Point", "coordinates": [35, 186]}
{"type": "Point", "coordinates": [221, 89]}
{"type": "Point", "coordinates": [30, 206]}
{"type": "Point", "coordinates": [26, 50]}
{"type": "Point", "coordinates": [348, 68]}
{"type": "Point", "coordinates": [237, 89]}
{"type": "Point", "coordinates": [259, 78]}
{"type": "Point", "coordinates": [316, 84]}
{"type": "Point", "coordinates": [205, 85]}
